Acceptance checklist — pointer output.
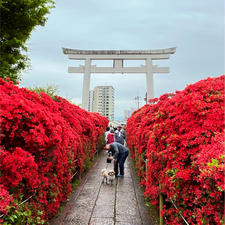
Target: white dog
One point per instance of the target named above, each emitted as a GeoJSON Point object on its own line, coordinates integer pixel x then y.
{"type": "Point", "coordinates": [108, 175]}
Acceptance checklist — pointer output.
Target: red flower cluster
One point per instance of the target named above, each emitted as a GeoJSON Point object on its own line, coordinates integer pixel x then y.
{"type": "Point", "coordinates": [43, 142]}
{"type": "Point", "coordinates": [5, 199]}
{"type": "Point", "coordinates": [181, 136]}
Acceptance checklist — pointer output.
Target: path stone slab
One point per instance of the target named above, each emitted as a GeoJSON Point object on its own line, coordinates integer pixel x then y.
{"type": "Point", "coordinates": [84, 203]}
{"type": "Point", "coordinates": [106, 195]}
{"type": "Point", "coordinates": [129, 220]}
{"type": "Point", "coordinates": [109, 188]}
{"type": "Point", "coordinates": [123, 212]}
{"type": "Point", "coordinates": [94, 178]}
{"type": "Point", "coordinates": [136, 222]}
{"type": "Point", "coordinates": [125, 195]}
{"type": "Point", "coordinates": [125, 188]}
{"type": "Point", "coordinates": [91, 194]}
{"type": "Point", "coordinates": [103, 211]}
{"type": "Point", "coordinates": [125, 181]}
{"type": "Point", "coordinates": [102, 221]}
{"type": "Point", "coordinates": [78, 216]}
{"type": "Point", "coordinates": [105, 201]}
{"type": "Point", "coordinates": [130, 200]}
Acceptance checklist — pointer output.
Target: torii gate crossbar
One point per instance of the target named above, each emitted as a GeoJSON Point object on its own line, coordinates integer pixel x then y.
{"type": "Point", "coordinates": [117, 56]}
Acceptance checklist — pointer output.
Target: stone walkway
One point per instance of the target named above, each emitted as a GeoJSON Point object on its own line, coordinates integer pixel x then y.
{"type": "Point", "coordinates": [96, 203]}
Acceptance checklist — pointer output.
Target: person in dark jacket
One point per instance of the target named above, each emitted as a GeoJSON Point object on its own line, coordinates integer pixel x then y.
{"type": "Point", "coordinates": [119, 155]}
{"type": "Point", "coordinates": [120, 135]}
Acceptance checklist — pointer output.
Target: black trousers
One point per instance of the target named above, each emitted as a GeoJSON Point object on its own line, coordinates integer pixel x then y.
{"type": "Point", "coordinates": [120, 163]}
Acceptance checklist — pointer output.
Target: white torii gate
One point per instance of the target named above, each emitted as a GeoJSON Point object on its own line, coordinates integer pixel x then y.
{"type": "Point", "coordinates": [117, 56]}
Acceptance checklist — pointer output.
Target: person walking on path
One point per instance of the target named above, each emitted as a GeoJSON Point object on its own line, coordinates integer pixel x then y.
{"type": "Point", "coordinates": [106, 133]}
{"type": "Point", "coordinates": [120, 135]}
{"type": "Point", "coordinates": [119, 155]}
{"type": "Point", "coordinates": [110, 137]}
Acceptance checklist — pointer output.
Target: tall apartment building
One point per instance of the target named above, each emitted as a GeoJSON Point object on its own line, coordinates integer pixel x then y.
{"type": "Point", "coordinates": [90, 101]}
{"type": "Point", "coordinates": [102, 101]}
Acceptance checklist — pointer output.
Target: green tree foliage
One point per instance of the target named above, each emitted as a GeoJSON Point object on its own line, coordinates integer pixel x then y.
{"type": "Point", "coordinates": [52, 91]}
{"type": "Point", "coordinates": [18, 19]}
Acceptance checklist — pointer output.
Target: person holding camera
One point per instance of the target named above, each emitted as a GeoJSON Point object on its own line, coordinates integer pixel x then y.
{"type": "Point", "coordinates": [118, 153]}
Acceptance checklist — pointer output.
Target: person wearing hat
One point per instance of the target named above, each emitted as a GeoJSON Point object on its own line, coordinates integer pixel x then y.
{"type": "Point", "coordinates": [120, 135]}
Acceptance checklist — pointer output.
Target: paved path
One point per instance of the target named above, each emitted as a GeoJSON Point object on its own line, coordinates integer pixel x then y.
{"type": "Point", "coordinates": [95, 203]}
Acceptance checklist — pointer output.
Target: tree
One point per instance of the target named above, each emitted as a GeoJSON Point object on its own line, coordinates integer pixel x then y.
{"type": "Point", "coordinates": [18, 20]}
{"type": "Point", "coordinates": [51, 90]}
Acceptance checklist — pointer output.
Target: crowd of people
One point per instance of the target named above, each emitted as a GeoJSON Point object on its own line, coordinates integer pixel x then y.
{"type": "Point", "coordinates": [115, 144]}
{"type": "Point", "coordinates": [115, 134]}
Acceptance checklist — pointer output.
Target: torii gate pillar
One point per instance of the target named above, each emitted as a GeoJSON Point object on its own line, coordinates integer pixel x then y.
{"type": "Point", "coordinates": [86, 83]}
{"type": "Point", "coordinates": [149, 79]}
{"type": "Point", "coordinates": [118, 56]}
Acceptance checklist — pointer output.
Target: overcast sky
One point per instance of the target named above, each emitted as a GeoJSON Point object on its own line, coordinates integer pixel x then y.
{"type": "Point", "coordinates": [196, 28]}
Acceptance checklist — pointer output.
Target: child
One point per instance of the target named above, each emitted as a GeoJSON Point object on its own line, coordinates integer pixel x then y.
{"type": "Point", "coordinates": [110, 137]}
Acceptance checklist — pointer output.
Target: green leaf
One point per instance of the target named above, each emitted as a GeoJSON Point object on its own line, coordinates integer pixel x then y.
{"type": "Point", "coordinates": [18, 20]}
{"type": "Point", "coordinates": [39, 213]}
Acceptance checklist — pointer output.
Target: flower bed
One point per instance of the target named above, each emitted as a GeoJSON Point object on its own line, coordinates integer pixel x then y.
{"type": "Point", "coordinates": [43, 142]}
{"type": "Point", "coordinates": [181, 136]}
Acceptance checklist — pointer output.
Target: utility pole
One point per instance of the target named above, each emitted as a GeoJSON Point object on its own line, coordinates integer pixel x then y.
{"type": "Point", "coordinates": [146, 98]}
{"type": "Point", "coordinates": [137, 101]}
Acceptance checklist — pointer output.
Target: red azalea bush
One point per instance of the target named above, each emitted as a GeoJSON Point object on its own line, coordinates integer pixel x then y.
{"type": "Point", "coordinates": [43, 142]}
{"type": "Point", "coordinates": [182, 137]}
{"type": "Point", "coordinates": [18, 166]}
{"type": "Point", "coordinates": [5, 199]}
{"type": "Point", "coordinates": [210, 162]}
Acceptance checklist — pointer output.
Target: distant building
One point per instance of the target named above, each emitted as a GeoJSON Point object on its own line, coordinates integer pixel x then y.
{"type": "Point", "coordinates": [127, 113]}
{"type": "Point", "coordinates": [90, 101]}
{"type": "Point", "coordinates": [101, 100]}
